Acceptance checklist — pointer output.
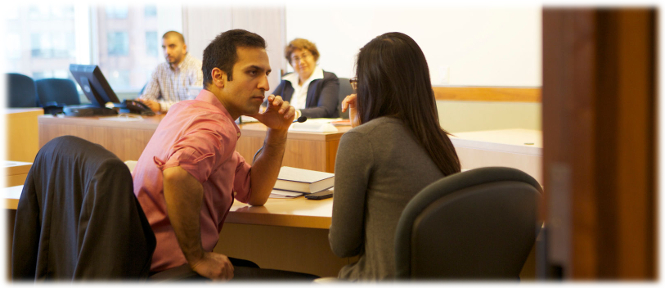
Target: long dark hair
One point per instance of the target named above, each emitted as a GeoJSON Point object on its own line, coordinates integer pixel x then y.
{"type": "Point", "coordinates": [394, 81]}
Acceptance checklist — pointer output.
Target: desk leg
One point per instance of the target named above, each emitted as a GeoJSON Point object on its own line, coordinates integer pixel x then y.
{"type": "Point", "coordinates": [303, 250]}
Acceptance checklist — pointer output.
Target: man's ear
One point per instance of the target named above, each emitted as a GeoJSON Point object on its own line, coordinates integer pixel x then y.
{"type": "Point", "coordinates": [184, 48]}
{"type": "Point", "coordinates": [218, 77]}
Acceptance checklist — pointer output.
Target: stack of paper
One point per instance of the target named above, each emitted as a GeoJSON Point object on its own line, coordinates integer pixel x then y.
{"type": "Point", "coordinates": [293, 182]}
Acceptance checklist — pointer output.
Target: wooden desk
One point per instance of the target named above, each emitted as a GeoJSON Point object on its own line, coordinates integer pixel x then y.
{"type": "Point", "coordinates": [15, 172]}
{"type": "Point", "coordinates": [309, 150]}
{"type": "Point", "coordinates": [22, 138]}
{"type": "Point", "coordinates": [517, 148]}
{"type": "Point", "coordinates": [286, 234]}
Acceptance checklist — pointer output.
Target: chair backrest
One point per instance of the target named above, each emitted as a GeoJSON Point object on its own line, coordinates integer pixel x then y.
{"type": "Point", "coordinates": [62, 91]}
{"type": "Point", "coordinates": [344, 90]}
{"type": "Point", "coordinates": [78, 218]}
{"type": "Point", "coordinates": [478, 224]}
{"type": "Point", "coordinates": [21, 91]}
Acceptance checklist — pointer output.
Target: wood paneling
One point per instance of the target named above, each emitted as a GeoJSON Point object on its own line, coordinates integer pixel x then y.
{"type": "Point", "coordinates": [22, 138]}
{"type": "Point", "coordinates": [127, 140]}
{"type": "Point", "coordinates": [599, 134]}
{"type": "Point", "coordinates": [503, 94]}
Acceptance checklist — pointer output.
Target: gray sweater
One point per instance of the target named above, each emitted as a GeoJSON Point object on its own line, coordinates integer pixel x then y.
{"type": "Point", "coordinates": [379, 168]}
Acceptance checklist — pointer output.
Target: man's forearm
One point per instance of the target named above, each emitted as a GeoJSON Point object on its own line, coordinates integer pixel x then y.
{"type": "Point", "coordinates": [184, 195]}
{"type": "Point", "coordinates": [266, 166]}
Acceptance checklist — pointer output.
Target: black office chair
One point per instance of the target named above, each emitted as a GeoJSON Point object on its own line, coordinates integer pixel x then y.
{"type": "Point", "coordinates": [475, 225]}
{"type": "Point", "coordinates": [21, 91]}
{"type": "Point", "coordinates": [60, 91]}
{"type": "Point", "coordinates": [344, 90]}
{"type": "Point", "coordinates": [78, 219]}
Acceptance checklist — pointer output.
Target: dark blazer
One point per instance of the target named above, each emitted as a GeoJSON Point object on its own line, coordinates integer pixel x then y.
{"type": "Point", "coordinates": [322, 99]}
{"type": "Point", "coordinates": [78, 218]}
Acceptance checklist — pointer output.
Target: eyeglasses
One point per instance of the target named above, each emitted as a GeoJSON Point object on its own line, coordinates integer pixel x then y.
{"type": "Point", "coordinates": [354, 83]}
{"type": "Point", "coordinates": [302, 56]}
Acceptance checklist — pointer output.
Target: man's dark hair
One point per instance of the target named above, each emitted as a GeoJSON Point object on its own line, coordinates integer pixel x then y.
{"type": "Point", "coordinates": [222, 52]}
{"type": "Point", "coordinates": [174, 34]}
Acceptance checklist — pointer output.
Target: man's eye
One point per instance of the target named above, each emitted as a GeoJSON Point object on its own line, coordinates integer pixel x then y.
{"type": "Point", "coordinates": [252, 72]}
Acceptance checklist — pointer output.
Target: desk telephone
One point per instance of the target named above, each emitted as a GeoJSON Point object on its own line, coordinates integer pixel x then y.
{"type": "Point", "coordinates": [135, 106]}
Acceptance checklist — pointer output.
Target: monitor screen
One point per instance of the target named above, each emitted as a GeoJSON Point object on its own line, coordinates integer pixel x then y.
{"type": "Point", "coordinates": [93, 84]}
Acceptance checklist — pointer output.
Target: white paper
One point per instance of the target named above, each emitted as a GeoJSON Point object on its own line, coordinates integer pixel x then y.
{"type": "Point", "coordinates": [284, 194]}
{"type": "Point", "coordinates": [123, 118]}
{"type": "Point", "coordinates": [313, 126]}
{"type": "Point", "coordinates": [302, 175]}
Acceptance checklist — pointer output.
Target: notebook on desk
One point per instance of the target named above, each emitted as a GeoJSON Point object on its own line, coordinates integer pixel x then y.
{"type": "Point", "coordinates": [303, 180]}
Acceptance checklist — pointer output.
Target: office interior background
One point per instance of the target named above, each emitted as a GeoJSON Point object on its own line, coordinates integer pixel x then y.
{"type": "Point", "coordinates": [473, 46]}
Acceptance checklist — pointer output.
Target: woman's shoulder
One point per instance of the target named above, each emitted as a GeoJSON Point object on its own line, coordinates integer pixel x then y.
{"type": "Point", "coordinates": [379, 126]}
{"type": "Point", "coordinates": [329, 75]}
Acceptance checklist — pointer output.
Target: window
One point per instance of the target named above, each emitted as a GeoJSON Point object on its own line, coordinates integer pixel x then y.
{"type": "Point", "coordinates": [43, 12]}
{"type": "Point", "coordinates": [41, 40]}
{"type": "Point", "coordinates": [150, 11]}
{"type": "Point", "coordinates": [50, 74]}
{"type": "Point", "coordinates": [117, 78]}
{"type": "Point", "coordinates": [13, 48]}
{"type": "Point", "coordinates": [44, 39]}
{"type": "Point", "coordinates": [117, 12]}
{"type": "Point", "coordinates": [152, 43]}
{"type": "Point", "coordinates": [131, 49]}
{"type": "Point", "coordinates": [118, 43]}
{"type": "Point", "coordinates": [52, 45]}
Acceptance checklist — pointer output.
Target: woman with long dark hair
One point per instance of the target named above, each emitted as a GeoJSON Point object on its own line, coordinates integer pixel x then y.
{"type": "Point", "coordinates": [395, 149]}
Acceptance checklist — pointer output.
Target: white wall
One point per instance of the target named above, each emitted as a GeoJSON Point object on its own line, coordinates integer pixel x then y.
{"type": "Point", "coordinates": [464, 46]}
{"type": "Point", "coordinates": [478, 46]}
{"type": "Point", "coordinates": [201, 24]}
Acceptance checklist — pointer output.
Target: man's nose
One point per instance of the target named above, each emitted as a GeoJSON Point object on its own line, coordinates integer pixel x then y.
{"type": "Point", "coordinates": [263, 84]}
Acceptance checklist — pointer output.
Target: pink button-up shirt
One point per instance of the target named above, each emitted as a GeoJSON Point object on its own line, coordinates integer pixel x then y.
{"type": "Point", "coordinates": [199, 136]}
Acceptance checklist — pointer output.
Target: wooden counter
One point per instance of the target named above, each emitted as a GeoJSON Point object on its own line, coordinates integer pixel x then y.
{"type": "Point", "coordinates": [127, 139]}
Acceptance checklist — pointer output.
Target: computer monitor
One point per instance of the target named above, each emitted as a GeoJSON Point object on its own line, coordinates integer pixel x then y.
{"type": "Point", "coordinates": [94, 84]}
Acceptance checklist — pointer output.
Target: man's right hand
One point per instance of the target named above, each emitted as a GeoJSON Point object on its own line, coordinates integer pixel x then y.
{"type": "Point", "coordinates": [214, 266]}
{"type": "Point", "coordinates": [152, 104]}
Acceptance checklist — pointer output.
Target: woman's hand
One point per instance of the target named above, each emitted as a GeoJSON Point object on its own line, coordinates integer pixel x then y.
{"type": "Point", "coordinates": [350, 103]}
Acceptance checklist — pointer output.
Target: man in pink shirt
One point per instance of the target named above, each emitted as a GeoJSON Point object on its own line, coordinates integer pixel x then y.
{"type": "Point", "coordinates": [189, 173]}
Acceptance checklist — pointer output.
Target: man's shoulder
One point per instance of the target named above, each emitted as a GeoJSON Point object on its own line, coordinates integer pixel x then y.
{"type": "Point", "coordinates": [162, 67]}
{"type": "Point", "coordinates": [193, 61]}
{"type": "Point", "coordinates": [196, 110]}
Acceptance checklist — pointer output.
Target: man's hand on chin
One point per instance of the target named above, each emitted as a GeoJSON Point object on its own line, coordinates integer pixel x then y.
{"type": "Point", "coordinates": [278, 115]}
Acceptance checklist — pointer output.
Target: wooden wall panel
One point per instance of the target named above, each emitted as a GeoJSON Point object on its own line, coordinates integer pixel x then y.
{"type": "Point", "coordinates": [599, 143]}
{"type": "Point", "coordinates": [21, 134]}
{"type": "Point", "coordinates": [502, 94]}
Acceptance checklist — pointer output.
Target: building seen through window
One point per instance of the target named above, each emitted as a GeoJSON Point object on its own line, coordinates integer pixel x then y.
{"type": "Point", "coordinates": [129, 50]}
{"type": "Point", "coordinates": [43, 40]}
{"type": "Point", "coordinates": [40, 40]}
